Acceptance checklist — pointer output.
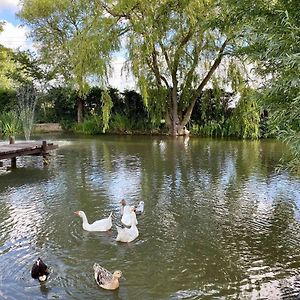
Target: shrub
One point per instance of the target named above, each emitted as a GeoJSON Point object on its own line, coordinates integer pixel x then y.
{"type": "Point", "coordinates": [91, 125]}
{"type": "Point", "coordinates": [9, 123]}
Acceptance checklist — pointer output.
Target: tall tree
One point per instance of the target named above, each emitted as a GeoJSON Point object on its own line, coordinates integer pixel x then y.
{"type": "Point", "coordinates": [71, 38]}
{"type": "Point", "coordinates": [176, 48]}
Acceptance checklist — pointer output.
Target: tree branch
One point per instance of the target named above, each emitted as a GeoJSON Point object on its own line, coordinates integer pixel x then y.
{"type": "Point", "coordinates": [208, 76]}
{"type": "Point", "coordinates": [212, 68]}
{"type": "Point", "coordinates": [119, 15]}
{"type": "Point", "coordinates": [183, 42]}
{"type": "Point", "coordinates": [189, 76]}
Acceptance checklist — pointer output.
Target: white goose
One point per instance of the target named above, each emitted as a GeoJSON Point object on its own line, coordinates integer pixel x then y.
{"type": "Point", "coordinates": [106, 279]}
{"type": "Point", "coordinates": [123, 204]}
{"type": "Point", "coordinates": [127, 235]}
{"type": "Point", "coordinates": [139, 209]}
{"type": "Point", "coordinates": [127, 217]}
{"type": "Point", "coordinates": [99, 225]}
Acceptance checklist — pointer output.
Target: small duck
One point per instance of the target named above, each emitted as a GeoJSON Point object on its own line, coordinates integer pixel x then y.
{"type": "Point", "coordinates": [106, 279]}
{"type": "Point", "coordinates": [40, 271]}
{"type": "Point", "coordinates": [99, 225]}
{"type": "Point", "coordinates": [139, 209]}
{"type": "Point", "coordinates": [127, 235]}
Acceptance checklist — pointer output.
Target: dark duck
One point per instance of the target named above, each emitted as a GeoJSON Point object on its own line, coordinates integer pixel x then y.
{"type": "Point", "coordinates": [40, 271]}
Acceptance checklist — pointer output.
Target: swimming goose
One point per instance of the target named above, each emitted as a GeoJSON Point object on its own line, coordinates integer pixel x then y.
{"type": "Point", "coordinates": [139, 209]}
{"type": "Point", "coordinates": [40, 271]}
{"type": "Point", "coordinates": [106, 279]}
{"type": "Point", "coordinates": [127, 235]}
{"type": "Point", "coordinates": [123, 204]}
{"type": "Point", "coordinates": [99, 225]}
{"type": "Point", "coordinates": [127, 217]}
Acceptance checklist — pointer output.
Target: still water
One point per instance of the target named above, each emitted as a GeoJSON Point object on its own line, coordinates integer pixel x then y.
{"type": "Point", "coordinates": [219, 223]}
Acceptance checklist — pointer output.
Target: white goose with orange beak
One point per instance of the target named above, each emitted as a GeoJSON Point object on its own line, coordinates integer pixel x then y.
{"type": "Point", "coordinates": [99, 225]}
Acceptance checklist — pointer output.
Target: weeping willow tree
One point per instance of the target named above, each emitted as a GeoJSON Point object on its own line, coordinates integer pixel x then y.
{"type": "Point", "coordinates": [75, 39]}
{"type": "Point", "coordinates": [175, 48]}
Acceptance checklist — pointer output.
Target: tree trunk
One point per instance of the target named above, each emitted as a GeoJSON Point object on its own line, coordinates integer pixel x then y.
{"type": "Point", "coordinates": [80, 110]}
{"type": "Point", "coordinates": [177, 121]}
{"type": "Point", "coordinates": [176, 124]}
{"type": "Point", "coordinates": [173, 112]}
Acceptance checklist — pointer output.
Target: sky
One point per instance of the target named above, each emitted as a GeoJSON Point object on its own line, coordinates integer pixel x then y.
{"type": "Point", "coordinates": [15, 36]}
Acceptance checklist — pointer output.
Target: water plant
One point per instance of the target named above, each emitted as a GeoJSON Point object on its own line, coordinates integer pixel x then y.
{"type": "Point", "coordinates": [91, 125]}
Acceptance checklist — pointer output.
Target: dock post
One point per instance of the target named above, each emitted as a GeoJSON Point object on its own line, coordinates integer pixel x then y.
{"type": "Point", "coordinates": [44, 146]}
{"type": "Point", "coordinates": [45, 159]}
{"type": "Point", "coordinates": [14, 159]}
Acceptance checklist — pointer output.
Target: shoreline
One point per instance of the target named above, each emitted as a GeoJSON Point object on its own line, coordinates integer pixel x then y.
{"type": "Point", "coordinates": [46, 128]}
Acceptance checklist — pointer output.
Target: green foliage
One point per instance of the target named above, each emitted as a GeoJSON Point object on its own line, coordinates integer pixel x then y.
{"type": "Point", "coordinates": [75, 38]}
{"type": "Point", "coordinates": [29, 68]}
{"type": "Point", "coordinates": [91, 125]}
{"type": "Point", "coordinates": [57, 105]}
{"type": "Point", "coordinates": [7, 66]}
{"type": "Point", "coordinates": [245, 120]}
{"type": "Point", "coordinates": [212, 112]}
{"type": "Point", "coordinates": [120, 123]}
{"type": "Point", "coordinates": [8, 99]}
{"type": "Point", "coordinates": [275, 48]}
{"type": "Point", "coordinates": [67, 124]}
{"type": "Point", "coordinates": [107, 105]}
{"type": "Point", "coordinates": [212, 129]}
{"type": "Point", "coordinates": [191, 36]}
{"type": "Point", "coordinates": [93, 102]}
{"type": "Point", "coordinates": [9, 123]}
{"type": "Point", "coordinates": [157, 107]}
{"type": "Point", "coordinates": [292, 160]}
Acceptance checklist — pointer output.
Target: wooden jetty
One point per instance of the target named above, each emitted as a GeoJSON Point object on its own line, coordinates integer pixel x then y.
{"type": "Point", "coordinates": [14, 150]}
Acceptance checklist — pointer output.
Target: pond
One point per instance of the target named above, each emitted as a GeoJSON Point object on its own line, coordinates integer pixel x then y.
{"type": "Point", "coordinates": [219, 222]}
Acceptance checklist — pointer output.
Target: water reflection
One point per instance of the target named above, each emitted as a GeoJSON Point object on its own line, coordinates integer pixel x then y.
{"type": "Point", "coordinates": [218, 221]}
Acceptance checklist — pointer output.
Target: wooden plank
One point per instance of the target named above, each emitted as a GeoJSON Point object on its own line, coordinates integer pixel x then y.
{"type": "Point", "coordinates": [15, 149]}
{"type": "Point", "coordinates": [25, 148]}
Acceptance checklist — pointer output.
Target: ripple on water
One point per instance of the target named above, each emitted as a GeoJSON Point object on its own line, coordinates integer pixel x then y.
{"type": "Point", "coordinates": [187, 294]}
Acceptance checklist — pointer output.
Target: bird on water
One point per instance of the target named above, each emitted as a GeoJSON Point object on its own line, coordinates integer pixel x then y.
{"type": "Point", "coordinates": [40, 270]}
{"type": "Point", "coordinates": [106, 279]}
